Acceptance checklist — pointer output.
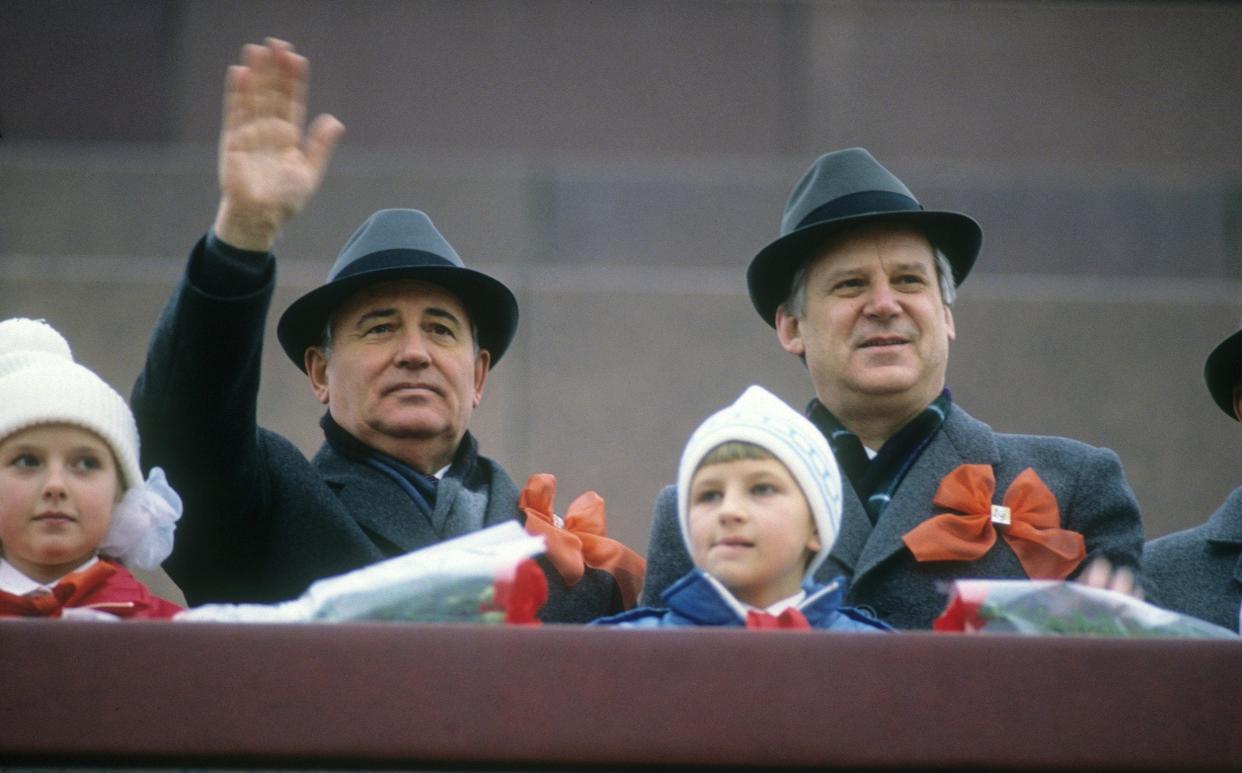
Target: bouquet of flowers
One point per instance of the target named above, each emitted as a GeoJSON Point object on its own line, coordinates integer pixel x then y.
{"type": "Point", "coordinates": [488, 576]}
{"type": "Point", "coordinates": [1062, 608]}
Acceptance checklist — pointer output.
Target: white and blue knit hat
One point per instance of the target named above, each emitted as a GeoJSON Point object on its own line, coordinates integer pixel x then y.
{"type": "Point", "coordinates": [41, 384]}
{"type": "Point", "coordinates": [763, 419]}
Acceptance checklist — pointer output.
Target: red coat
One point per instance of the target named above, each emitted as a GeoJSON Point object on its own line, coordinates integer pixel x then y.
{"type": "Point", "coordinates": [105, 586]}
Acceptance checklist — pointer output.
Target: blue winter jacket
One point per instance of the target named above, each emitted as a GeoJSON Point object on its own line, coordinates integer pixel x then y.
{"type": "Point", "coordinates": [694, 600]}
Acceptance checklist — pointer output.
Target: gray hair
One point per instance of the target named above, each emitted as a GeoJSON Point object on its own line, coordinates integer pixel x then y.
{"type": "Point", "coordinates": [795, 304]}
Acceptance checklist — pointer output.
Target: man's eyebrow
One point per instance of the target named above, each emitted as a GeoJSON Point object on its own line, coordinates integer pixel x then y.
{"type": "Point", "coordinates": [381, 313]}
{"type": "Point", "coordinates": [436, 311]}
{"type": "Point", "coordinates": [913, 265]}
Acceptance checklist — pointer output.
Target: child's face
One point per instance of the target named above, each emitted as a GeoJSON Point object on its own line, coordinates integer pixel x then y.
{"type": "Point", "coordinates": [58, 484]}
{"type": "Point", "coordinates": [751, 528]}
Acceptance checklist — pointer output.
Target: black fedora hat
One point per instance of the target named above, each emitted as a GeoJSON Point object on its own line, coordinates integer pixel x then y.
{"type": "Point", "coordinates": [400, 244]}
{"type": "Point", "coordinates": [842, 189]}
{"type": "Point", "coordinates": [1223, 371]}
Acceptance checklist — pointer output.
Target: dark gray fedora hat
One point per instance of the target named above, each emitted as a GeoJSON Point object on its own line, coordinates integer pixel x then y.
{"type": "Point", "coordinates": [400, 244]}
{"type": "Point", "coordinates": [842, 189]}
{"type": "Point", "coordinates": [1223, 371]}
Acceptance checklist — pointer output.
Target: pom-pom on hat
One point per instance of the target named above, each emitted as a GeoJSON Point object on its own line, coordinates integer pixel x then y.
{"type": "Point", "coordinates": [41, 384]}
{"type": "Point", "coordinates": [762, 418]}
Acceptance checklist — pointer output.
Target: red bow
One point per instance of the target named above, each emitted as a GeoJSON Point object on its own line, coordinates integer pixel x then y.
{"type": "Point", "coordinates": [582, 540]}
{"type": "Point", "coordinates": [791, 618]}
{"type": "Point", "coordinates": [1030, 522]}
{"type": "Point", "coordinates": [70, 591]}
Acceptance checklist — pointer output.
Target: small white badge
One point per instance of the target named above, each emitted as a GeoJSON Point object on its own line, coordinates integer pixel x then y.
{"type": "Point", "coordinates": [558, 521]}
{"type": "Point", "coordinates": [1000, 515]}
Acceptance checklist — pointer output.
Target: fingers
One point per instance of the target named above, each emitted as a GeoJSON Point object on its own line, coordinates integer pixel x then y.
{"type": "Point", "coordinates": [321, 140]}
{"type": "Point", "coordinates": [235, 87]}
{"type": "Point", "coordinates": [293, 71]}
{"type": "Point", "coordinates": [1100, 574]}
{"type": "Point", "coordinates": [1124, 581]}
{"type": "Point", "coordinates": [270, 82]}
{"type": "Point", "coordinates": [1097, 573]}
{"type": "Point", "coordinates": [279, 83]}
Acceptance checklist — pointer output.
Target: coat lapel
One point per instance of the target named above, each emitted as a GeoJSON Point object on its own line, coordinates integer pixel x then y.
{"type": "Point", "coordinates": [376, 503]}
{"type": "Point", "coordinates": [475, 493]}
{"type": "Point", "coordinates": [1225, 528]}
{"type": "Point", "coordinates": [851, 537]}
{"type": "Point", "coordinates": [962, 440]}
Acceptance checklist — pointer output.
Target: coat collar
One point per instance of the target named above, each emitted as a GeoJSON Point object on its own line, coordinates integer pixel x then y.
{"type": "Point", "coordinates": [1224, 528]}
{"type": "Point", "coordinates": [1225, 525]}
{"type": "Point", "coordinates": [860, 547]}
{"type": "Point", "coordinates": [699, 600]}
{"type": "Point", "coordinates": [473, 493]}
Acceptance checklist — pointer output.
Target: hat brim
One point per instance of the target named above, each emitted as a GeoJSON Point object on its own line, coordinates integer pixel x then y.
{"type": "Point", "coordinates": [490, 304]}
{"type": "Point", "coordinates": [771, 272]}
{"type": "Point", "coordinates": [1223, 370]}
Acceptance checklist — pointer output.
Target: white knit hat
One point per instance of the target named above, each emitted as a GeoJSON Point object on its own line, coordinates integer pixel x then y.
{"type": "Point", "coordinates": [41, 384]}
{"type": "Point", "coordinates": [762, 418]}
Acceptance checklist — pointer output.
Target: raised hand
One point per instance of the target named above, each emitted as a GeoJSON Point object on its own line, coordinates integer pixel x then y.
{"type": "Point", "coordinates": [270, 165]}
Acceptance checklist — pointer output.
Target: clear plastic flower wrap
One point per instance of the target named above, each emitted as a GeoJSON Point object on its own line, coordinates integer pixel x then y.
{"type": "Point", "coordinates": [484, 577]}
{"type": "Point", "coordinates": [1062, 608]}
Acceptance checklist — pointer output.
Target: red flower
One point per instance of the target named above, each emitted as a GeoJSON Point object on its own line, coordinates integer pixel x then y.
{"type": "Point", "coordinates": [523, 594]}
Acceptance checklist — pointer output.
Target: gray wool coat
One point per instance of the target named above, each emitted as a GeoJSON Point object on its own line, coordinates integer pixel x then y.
{"type": "Point", "coordinates": [1199, 571]}
{"type": "Point", "coordinates": [262, 522]}
{"type": "Point", "coordinates": [1091, 490]}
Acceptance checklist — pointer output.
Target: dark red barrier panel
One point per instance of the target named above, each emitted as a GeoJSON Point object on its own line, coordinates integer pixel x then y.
{"type": "Point", "coordinates": [380, 694]}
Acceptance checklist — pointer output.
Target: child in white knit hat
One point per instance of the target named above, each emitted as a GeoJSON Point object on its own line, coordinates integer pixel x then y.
{"type": "Point", "coordinates": [73, 505]}
{"type": "Point", "coordinates": [759, 502]}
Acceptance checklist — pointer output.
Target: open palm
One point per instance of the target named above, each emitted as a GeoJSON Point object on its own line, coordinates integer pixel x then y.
{"type": "Point", "coordinates": [269, 167]}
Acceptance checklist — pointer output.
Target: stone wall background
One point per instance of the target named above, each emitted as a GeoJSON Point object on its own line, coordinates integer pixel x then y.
{"type": "Point", "coordinates": [619, 162]}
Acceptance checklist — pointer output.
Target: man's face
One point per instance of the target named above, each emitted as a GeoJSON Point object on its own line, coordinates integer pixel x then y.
{"type": "Point", "coordinates": [751, 528]}
{"type": "Point", "coordinates": [402, 376]}
{"type": "Point", "coordinates": [875, 330]}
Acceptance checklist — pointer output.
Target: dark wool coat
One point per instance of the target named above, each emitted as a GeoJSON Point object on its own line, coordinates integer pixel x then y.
{"type": "Point", "coordinates": [262, 522]}
{"type": "Point", "coordinates": [1091, 490]}
{"type": "Point", "coordinates": [1199, 571]}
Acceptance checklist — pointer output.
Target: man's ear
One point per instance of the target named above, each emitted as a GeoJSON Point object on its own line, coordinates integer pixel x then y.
{"type": "Point", "coordinates": [482, 366]}
{"type": "Point", "coordinates": [789, 332]}
{"type": "Point", "coordinates": [950, 330]}
{"type": "Point", "coordinates": [317, 371]}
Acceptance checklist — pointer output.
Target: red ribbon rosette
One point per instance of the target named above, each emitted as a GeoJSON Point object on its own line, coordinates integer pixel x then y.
{"type": "Point", "coordinates": [581, 539]}
{"type": "Point", "coordinates": [1029, 520]}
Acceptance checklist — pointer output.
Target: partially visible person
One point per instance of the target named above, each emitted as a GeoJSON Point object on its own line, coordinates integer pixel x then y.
{"type": "Point", "coordinates": [1198, 571]}
{"type": "Point", "coordinates": [74, 510]}
{"type": "Point", "coordinates": [397, 344]}
{"type": "Point", "coordinates": [759, 507]}
{"type": "Point", "coordinates": [859, 286]}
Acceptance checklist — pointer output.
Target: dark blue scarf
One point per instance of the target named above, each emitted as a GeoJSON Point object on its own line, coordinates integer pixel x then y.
{"type": "Point", "coordinates": [420, 487]}
{"type": "Point", "coordinates": [875, 480]}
